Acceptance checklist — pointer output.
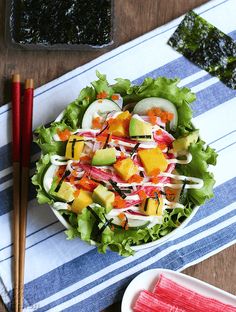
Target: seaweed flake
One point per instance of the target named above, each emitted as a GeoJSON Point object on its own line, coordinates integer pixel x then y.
{"type": "Point", "coordinates": [206, 46]}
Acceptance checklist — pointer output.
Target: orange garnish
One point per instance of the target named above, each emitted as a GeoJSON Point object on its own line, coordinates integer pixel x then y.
{"type": "Point", "coordinates": [86, 159]}
{"type": "Point", "coordinates": [60, 171]}
{"type": "Point", "coordinates": [155, 172]}
{"type": "Point", "coordinates": [76, 193]}
{"type": "Point", "coordinates": [155, 180]}
{"type": "Point", "coordinates": [102, 95]}
{"type": "Point", "coordinates": [159, 132]}
{"type": "Point", "coordinates": [64, 135]}
{"type": "Point", "coordinates": [96, 123]}
{"type": "Point", "coordinates": [154, 192]}
{"type": "Point", "coordinates": [142, 195]}
{"type": "Point", "coordinates": [115, 97]}
{"type": "Point", "coordinates": [87, 184]}
{"type": "Point", "coordinates": [121, 216]}
{"type": "Point", "coordinates": [162, 146]}
{"type": "Point", "coordinates": [72, 180]}
{"type": "Point", "coordinates": [119, 202]}
{"type": "Point", "coordinates": [135, 179]}
{"type": "Point", "coordinates": [122, 156]}
{"type": "Point", "coordinates": [170, 194]}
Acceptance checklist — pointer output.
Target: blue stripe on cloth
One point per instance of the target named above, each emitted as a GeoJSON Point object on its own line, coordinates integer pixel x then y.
{"type": "Point", "coordinates": [58, 277]}
{"type": "Point", "coordinates": [171, 261]}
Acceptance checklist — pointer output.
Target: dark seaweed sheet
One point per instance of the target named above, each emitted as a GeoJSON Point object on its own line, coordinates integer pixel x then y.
{"type": "Point", "coordinates": [50, 22]}
{"type": "Point", "coordinates": [206, 46]}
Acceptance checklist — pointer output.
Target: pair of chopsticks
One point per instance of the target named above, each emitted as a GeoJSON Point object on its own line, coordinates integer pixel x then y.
{"type": "Point", "coordinates": [21, 139]}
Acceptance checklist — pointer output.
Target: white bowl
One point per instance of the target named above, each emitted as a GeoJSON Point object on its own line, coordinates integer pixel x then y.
{"type": "Point", "coordinates": [138, 247]}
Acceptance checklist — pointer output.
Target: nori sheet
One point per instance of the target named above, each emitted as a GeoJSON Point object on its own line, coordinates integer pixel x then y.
{"type": "Point", "coordinates": [206, 46]}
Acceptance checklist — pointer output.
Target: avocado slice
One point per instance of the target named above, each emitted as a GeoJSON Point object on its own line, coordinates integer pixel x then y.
{"type": "Point", "coordinates": [103, 197]}
{"type": "Point", "coordinates": [103, 157]}
{"type": "Point", "coordinates": [65, 192]}
{"type": "Point", "coordinates": [140, 129]}
{"type": "Point", "coordinates": [182, 144]}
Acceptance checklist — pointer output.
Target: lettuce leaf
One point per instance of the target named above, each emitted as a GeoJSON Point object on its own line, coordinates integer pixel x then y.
{"type": "Point", "coordinates": [119, 240]}
{"type": "Point", "coordinates": [44, 138]}
{"type": "Point", "coordinates": [201, 157]}
{"type": "Point", "coordinates": [41, 167]}
{"type": "Point", "coordinates": [160, 87]}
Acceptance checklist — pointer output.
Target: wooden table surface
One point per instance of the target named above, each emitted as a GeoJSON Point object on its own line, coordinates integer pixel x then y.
{"type": "Point", "coordinates": [133, 18]}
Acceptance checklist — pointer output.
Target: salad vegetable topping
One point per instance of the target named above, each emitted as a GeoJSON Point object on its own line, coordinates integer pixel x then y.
{"type": "Point", "coordinates": [122, 178]}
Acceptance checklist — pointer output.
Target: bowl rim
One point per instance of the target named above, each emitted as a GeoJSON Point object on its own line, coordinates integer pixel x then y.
{"type": "Point", "coordinates": [154, 243]}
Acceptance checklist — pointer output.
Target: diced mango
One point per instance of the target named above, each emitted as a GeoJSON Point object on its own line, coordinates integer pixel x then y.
{"type": "Point", "coordinates": [74, 147]}
{"type": "Point", "coordinates": [124, 115]}
{"type": "Point", "coordinates": [81, 201]}
{"type": "Point", "coordinates": [152, 206]}
{"type": "Point", "coordinates": [119, 126]}
{"type": "Point", "coordinates": [125, 168]}
{"type": "Point", "coordinates": [153, 159]}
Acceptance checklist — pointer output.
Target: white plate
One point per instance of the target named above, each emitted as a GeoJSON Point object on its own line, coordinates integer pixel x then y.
{"type": "Point", "coordinates": [148, 279]}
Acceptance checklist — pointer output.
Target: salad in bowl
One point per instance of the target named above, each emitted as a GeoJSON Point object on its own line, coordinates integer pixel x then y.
{"type": "Point", "coordinates": [123, 167]}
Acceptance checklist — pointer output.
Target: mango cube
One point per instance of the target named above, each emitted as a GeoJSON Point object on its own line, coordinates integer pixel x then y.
{"type": "Point", "coordinates": [81, 201]}
{"type": "Point", "coordinates": [74, 147]}
{"type": "Point", "coordinates": [125, 168]}
{"type": "Point", "coordinates": [119, 126]}
{"type": "Point", "coordinates": [153, 159]}
{"type": "Point", "coordinates": [152, 206]}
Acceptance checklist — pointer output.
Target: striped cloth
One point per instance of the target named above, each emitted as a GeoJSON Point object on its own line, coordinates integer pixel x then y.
{"type": "Point", "coordinates": [68, 276]}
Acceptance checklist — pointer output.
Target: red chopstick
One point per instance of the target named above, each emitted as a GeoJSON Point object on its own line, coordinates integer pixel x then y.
{"type": "Point", "coordinates": [26, 135]}
{"type": "Point", "coordinates": [16, 180]}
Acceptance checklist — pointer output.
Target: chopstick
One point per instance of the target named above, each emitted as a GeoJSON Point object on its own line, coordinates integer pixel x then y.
{"type": "Point", "coordinates": [26, 131]}
{"type": "Point", "coordinates": [16, 180]}
{"type": "Point", "coordinates": [21, 116]}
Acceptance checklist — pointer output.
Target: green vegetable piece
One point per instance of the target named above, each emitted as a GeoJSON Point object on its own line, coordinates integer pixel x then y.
{"type": "Point", "coordinates": [65, 192]}
{"type": "Point", "coordinates": [103, 197]}
{"type": "Point", "coordinates": [182, 144]}
{"type": "Point", "coordinates": [104, 157]}
{"type": "Point", "coordinates": [206, 46]}
{"type": "Point", "coordinates": [139, 128]}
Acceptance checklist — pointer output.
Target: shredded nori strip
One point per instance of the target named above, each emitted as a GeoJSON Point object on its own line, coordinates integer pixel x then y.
{"type": "Point", "coordinates": [134, 149]}
{"type": "Point", "coordinates": [117, 189]}
{"type": "Point", "coordinates": [66, 173]}
{"type": "Point", "coordinates": [182, 190]}
{"type": "Point", "coordinates": [146, 204]}
{"type": "Point", "coordinates": [107, 223]}
{"type": "Point", "coordinates": [141, 136]}
{"type": "Point", "coordinates": [107, 140]}
{"type": "Point", "coordinates": [158, 201]}
{"type": "Point", "coordinates": [206, 46]}
{"type": "Point", "coordinates": [96, 232]}
{"type": "Point", "coordinates": [94, 213]}
{"type": "Point", "coordinates": [102, 130]}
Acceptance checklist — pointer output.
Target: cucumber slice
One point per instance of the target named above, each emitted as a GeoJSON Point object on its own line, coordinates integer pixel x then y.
{"type": "Point", "coordinates": [98, 107]}
{"type": "Point", "coordinates": [132, 223]}
{"type": "Point", "coordinates": [144, 105]}
{"type": "Point", "coordinates": [48, 177]}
